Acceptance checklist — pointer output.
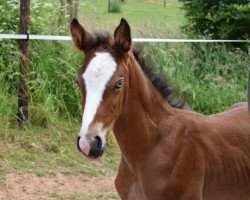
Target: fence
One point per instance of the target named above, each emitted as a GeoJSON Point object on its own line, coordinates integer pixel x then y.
{"type": "Point", "coordinates": [68, 38]}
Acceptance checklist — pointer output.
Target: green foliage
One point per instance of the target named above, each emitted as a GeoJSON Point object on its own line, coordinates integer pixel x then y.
{"type": "Point", "coordinates": [223, 19]}
{"type": "Point", "coordinates": [9, 66]}
{"type": "Point", "coordinates": [40, 23]}
{"type": "Point", "coordinates": [44, 17]}
{"type": "Point", "coordinates": [9, 18]}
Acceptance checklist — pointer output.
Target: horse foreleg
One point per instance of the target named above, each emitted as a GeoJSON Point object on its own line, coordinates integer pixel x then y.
{"type": "Point", "coordinates": [126, 183]}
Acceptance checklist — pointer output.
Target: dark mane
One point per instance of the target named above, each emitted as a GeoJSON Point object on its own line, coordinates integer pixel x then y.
{"type": "Point", "coordinates": [160, 82]}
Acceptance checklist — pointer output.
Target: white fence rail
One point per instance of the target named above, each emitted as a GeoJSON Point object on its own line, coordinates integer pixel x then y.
{"type": "Point", "coordinates": [68, 38]}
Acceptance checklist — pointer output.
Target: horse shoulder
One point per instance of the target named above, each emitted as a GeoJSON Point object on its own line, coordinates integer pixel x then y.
{"type": "Point", "coordinates": [175, 168]}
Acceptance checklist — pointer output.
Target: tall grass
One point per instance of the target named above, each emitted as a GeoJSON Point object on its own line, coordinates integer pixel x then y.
{"type": "Point", "coordinates": [53, 92]}
{"type": "Point", "coordinates": [211, 77]}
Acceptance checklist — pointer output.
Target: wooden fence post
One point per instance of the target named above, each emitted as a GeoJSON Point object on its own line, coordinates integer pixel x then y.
{"type": "Point", "coordinates": [23, 93]}
{"type": "Point", "coordinates": [248, 99]}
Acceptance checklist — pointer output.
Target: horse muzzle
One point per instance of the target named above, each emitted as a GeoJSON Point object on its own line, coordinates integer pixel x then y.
{"type": "Point", "coordinates": [91, 147]}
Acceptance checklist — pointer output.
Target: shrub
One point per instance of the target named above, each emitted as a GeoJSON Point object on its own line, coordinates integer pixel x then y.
{"type": "Point", "coordinates": [223, 19]}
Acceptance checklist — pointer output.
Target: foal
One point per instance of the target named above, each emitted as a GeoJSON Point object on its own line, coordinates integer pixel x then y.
{"type": "Point", "coordinates": [166, 153]}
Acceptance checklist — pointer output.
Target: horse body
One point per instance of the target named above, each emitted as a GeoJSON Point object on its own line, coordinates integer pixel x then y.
{"type": "Point", "coordinates": [191, 161]}
{"type": "Point", "coordinates": [166, 153]}
{"type": "Point", "coordinates": [179, 154]}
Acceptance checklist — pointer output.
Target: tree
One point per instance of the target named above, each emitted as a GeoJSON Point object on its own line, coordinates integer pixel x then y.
{"type": "Point", "coordinates": [76, 6]}
{"type": "Point", "coordinates": [109, 3]}
{"type": "Point", "coordinates": [73, 8]}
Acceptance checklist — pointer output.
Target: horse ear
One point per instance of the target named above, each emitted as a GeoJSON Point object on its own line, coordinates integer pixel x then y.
{"type": "Point", "coordinates": [80, 36]}
{"type": "Point", "coordinates": [122, 35]}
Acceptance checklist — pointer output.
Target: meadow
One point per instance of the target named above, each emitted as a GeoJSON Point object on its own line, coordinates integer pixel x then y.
{"type": "Point", "coordinates": [210, 77]}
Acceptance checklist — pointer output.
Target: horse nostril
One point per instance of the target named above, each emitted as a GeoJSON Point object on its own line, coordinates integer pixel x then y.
{"type": "Point", "coordinates": [96, 149]}
{"type": "Point", "coordinates": [98, 142]}
{"type": "Point", "coordinates": [77, 143]}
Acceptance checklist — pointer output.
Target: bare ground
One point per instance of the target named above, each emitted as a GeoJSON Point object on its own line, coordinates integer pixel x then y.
{"type": "Point", "coordinates": [30, 186]}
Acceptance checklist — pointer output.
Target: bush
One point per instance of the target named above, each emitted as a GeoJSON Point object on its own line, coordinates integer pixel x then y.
{"type": "Point", "coordinates": [9, 18]}
{"type": "Point", "coordinates": [223, 19]}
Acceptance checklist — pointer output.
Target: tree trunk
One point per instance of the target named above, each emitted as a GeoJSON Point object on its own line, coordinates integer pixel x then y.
{"type": "Point", "coordinates": [76, 7]}
{"type": "Point", "coordinates": [108, 5]}
{"type": "Point", "coordinates": [164, 4]}
{"type": "Point", "coordinates": [23, 93]}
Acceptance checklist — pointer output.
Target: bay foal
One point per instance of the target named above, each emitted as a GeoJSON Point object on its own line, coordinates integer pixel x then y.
{"type": "Point", "coordinates": [166, 153]}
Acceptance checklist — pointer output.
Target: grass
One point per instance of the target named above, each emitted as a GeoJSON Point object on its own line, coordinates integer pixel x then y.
{"type": "Point", "coordinates": [48, 151]}
{"type": "Point", "coordinates": [211, 77]}
{"type": "Point", "coordinates": [96, 196]}
{"type": "Point", "coordinates": [146, 19]}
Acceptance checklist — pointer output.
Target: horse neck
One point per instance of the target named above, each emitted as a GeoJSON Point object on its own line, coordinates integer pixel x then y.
{"type": "Point", "coordinates": [137, 128]}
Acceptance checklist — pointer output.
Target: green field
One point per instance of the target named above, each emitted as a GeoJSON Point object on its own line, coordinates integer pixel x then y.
{"type": "Point", "coordinates": [210, 76]}
{"type": "Point", "coordinates": [146, 19]}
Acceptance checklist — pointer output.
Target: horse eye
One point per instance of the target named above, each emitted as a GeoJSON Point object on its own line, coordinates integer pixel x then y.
{"type": "Point", "coordinates": [119, 84]}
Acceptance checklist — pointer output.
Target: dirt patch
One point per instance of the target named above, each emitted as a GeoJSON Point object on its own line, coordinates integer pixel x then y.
{"type": "Point", "coordinates": [30, 186]}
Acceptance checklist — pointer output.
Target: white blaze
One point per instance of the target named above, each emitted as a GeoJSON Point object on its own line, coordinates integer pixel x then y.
{"type": "Point", "coordinates": [96, 76]}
